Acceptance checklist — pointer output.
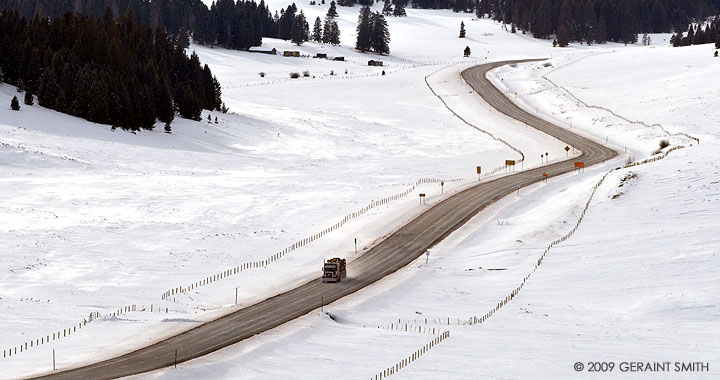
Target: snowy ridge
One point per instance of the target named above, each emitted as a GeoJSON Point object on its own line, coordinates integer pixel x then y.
{"type": "Point", "coordinates": [608, 110]}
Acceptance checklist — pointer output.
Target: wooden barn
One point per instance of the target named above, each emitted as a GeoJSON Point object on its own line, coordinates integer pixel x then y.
{"type": "Point", "coordinates": [262, 50]}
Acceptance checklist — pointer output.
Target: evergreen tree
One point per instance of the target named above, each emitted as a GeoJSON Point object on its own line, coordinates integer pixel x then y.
{"type": "Point", "coordinates": [399, 10]}
{"type": "Point", "coordinates": [164, 104]}
{"type": "Point", "coordinates": [459, 6]}
{"type": "Point", "coordinates": [658, 18]}
{"type": "Point", "coordinates": [331, 32]}
{"type": "Point", "coordinates": [188, 106]}
{"type": "Point", "coordinates": [563, 36]}
{"type": "Point", "coordinates": [601, 34]}
{"type": "Point", "coordinates": [462, 29]}
{"type": "Point", "coordinates": [183, 38]}
{"type": "Point", "coordinates": [300, 31]}
{"type": "Point", "coordinates": [99, 108]}
{"type": "Point", "coordinates": [380, 37]}
{"type": "Point", "coordinates": [29, 98]}
{"type": "Point", "coordinates": [543, 21]}
{"type": "Point", "coordinates": [387, 8]}
{"type": "Point", "coordinates": [332, 11]}
{"type": "Point", "coordinates": [364, 30]}
{"type": "Point", "coordinates": [317, 30]}
{"type": "Point", "coordinates": [15, 104]}
{"type": "Point", "coordinates": [466, 52]}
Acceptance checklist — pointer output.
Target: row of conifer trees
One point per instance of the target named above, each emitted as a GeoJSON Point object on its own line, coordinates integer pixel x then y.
{"type": "Point", "coordinates": [116, 72]}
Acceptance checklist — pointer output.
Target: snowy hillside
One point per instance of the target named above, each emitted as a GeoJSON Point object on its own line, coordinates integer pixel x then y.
{"type": "Point", "coordinates": [635, 283]}
{"type": "Point", "coordinates": [93, 220]}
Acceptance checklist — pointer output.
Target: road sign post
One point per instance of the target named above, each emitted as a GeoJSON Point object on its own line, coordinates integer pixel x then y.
{"type": "Point", "coordinates": [479, 170]}
{"type": "Point", "coordinates": [579, 166]}
{"type": "Point", "coordinates": [422, 198]}
{"type": "Point", "coordinates": [545, 177]}
{"type": "Point", "coordinates": [427, 255]}
{"type": "Point", "coordinates": [509, 163]}
{"type": "Point", "coordinates": [567, 150]}
{"type": "Point", "coordinates": [442, 187]}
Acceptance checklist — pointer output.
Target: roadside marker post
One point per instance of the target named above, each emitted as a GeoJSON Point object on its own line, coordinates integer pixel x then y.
{"type": "Point", "coordinates": [356, 246]}
{"type": "Point", "coordinates": [427, 255]}
{"type": "Point", "coordinates": [442, 187]}
{"type": "Point", "coordinates": [479, 170]}
{"type": "Point", "coordinates": [422, 198]}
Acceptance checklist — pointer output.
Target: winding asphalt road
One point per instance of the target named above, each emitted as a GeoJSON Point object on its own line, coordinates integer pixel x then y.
{"type": "Point", "coordinates": [393, 253]}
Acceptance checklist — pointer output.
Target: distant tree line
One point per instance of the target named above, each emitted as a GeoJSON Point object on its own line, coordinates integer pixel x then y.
{"type": "Point", "coordinates": [390, 7]}
{"type": "Point", "coordinates": [228, 23]}
{"type": "Point", "coordinates": [591, 21]}
{"type": "Point", "coordinates": [596, 21]}
{"type": "Point", "coordinates": [698, 35]}
{"type": "Point", "coordinates": [108, 71]}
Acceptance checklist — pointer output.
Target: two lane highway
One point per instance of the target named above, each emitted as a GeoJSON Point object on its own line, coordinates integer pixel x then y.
{"type": "Point", "coordinates": [393, 253]}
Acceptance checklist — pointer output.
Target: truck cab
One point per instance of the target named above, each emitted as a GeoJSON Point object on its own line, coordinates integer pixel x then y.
{"type": "Point", "coordinates": [334, 270]}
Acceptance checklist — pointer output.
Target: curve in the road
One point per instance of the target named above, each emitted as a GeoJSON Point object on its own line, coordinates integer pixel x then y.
{"type": "Point", "coordinates": [393, 253]}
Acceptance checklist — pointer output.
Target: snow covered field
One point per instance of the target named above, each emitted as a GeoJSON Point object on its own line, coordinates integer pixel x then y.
{"type": "Point", "coordinates": [93, 220]}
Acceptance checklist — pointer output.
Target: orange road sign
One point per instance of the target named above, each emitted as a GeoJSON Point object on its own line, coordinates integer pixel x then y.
{"type": "Point", "coordinates": [422, 195]}
{"type": "Point", "coordinates": [509, 162]}
{"type": "Point", "coordinates": [545, 174]}
{"type": "Point", "coordinates": [479, 170]}
{"type": "Point", "coordinates": [567, 148]}
{"type": "Point", "coordinates": [579, 164]}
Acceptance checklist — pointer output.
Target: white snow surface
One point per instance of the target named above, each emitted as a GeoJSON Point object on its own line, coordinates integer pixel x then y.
{"type": "Point", "coordinates": [92, 220]}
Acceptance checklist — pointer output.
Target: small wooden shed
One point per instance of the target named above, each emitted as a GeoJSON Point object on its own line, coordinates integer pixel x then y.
{"type": "Point", "coordinates": [262, 50]}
